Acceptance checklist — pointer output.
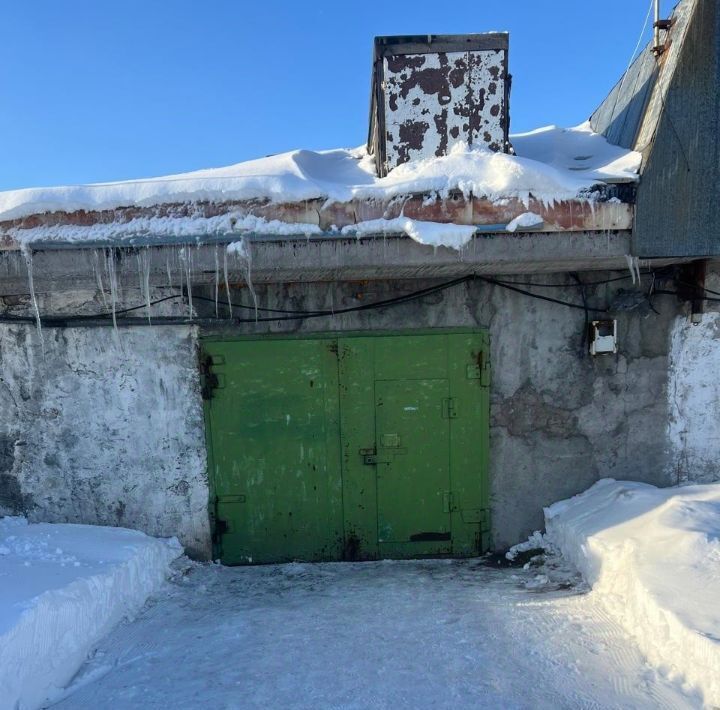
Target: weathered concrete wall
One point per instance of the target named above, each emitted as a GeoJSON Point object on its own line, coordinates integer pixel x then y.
{"type": "Point", "coordinates": [104, 428]}
{"type": "Point", "coordinates": [101, 433]}
{"type": "Point", "coordinates": [560, 419]}
{"type": "Point", "coordinates": [694, 397]}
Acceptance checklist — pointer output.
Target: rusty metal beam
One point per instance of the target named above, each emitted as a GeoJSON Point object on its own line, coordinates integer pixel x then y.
{"type": "Point", "coordinates": [578, 215]}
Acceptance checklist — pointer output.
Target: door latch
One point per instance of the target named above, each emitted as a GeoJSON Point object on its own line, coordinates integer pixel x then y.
{"type": "Point", "coordinates": [371, 458]}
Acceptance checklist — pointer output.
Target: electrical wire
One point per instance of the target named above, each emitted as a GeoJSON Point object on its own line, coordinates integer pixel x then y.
{"type": "Point", "coordinates": [540, 297]}
{"type": "Point", "coordinates": [105, 318]}
{"type": "Point", "coordinates": [566, 285]}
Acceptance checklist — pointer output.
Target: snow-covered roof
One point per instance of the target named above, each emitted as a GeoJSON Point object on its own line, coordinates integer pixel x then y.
{"type": "Point", "coordinates": [551, 165]}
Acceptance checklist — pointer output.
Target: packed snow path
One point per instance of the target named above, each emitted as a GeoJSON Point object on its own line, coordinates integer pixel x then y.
{"type": "Point", "coordinates": [420, 634]}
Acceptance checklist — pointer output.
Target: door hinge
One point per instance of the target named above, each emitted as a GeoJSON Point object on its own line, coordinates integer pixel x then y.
{"type": "Point", "coordinates": [448, 408]}
{"type": "Point", "coordinates": [484, 362]}
{"type": "Point", "coordinates": [219, 529]}
{"type": "Point", "coordinates": [479, 369]}
{"type": "Point", "coordinates": [209, 380]}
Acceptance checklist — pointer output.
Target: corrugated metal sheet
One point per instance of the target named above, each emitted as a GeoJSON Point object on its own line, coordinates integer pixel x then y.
{"type": "Point", "coordinates": [619, 117]}
{"type": "Point", "coordinates": [629, 115]}
{"type": "Point", "coordinates": [432, 92]}
{"type": "Point", "coordinates": [668, 63]}
{"type": "Point", "coordinates": [678, 210]}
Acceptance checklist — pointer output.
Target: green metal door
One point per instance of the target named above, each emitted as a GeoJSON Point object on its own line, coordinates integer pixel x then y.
{"type": "Point", "coordinates": [413, 467]}
{"type": "Point", "coordinates": [359, 447]}
{"type": "Point", "coordinates": [273, 424]}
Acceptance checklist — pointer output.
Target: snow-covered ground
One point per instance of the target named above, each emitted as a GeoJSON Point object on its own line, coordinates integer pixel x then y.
{"type": "Point", "coordinates": [641, 631]}
{"type": "Point", "coordinates": [652, 557]}
{"type": "Point", "coordinates": [418, 634]}
{"type": "Point", "coordinates": [62, 588]}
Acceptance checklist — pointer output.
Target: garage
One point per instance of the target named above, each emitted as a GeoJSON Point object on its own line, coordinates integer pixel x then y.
{"type": "Point", "coordinates": [352, 447]}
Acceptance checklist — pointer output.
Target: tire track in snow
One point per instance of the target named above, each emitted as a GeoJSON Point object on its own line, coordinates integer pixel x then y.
{"type": "Point", "coordinates": [402, 635]}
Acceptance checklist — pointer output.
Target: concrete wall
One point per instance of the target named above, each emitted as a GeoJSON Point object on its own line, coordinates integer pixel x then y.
{"type": "Point", "coordinates": [105, 433]}
{"type": "Point", "coordinates": [560, 419]}
{"type": "Point", "coordinates": [104, 429]}
{"type": "Point", "coordinates": [694, 397]}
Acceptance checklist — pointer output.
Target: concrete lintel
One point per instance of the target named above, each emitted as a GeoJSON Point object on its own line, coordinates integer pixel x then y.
{"type": "Point", "coordinates": [339, 259]}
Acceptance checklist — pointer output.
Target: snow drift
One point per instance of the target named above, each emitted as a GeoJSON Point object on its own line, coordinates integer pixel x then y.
{"type": "Point", "coordinates": [653, 556]}
{"type": "Point", "coordinates": [62, 588]}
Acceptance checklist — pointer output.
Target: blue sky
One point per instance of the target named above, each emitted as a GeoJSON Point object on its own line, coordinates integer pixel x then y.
{"type": "Point", "coordinates": [93, 90]}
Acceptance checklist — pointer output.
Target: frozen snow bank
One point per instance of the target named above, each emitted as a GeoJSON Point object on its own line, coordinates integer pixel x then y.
{"type": "Point", "coordinates": [551, 164]}
{"type": "Point", "coordinates": [62, 588]}
{"type": "Point", "coordinates": [653, 556]}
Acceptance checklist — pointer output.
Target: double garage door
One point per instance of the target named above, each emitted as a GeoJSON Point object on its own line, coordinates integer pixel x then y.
{"type": "Point", "coordinates": [331, 448]}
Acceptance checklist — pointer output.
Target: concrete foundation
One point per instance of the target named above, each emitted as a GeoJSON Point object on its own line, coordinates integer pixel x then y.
{"type": "Point", "coordinates": [107, 428]}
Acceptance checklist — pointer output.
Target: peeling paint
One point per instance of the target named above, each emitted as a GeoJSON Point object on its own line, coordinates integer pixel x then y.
{"type": "Point", "coordinates": [463, 93]}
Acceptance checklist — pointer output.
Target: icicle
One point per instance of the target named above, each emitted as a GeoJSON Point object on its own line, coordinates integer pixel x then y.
{"type": "Point", "coordinates": [188, 278]}
{"type": "Point", "coordinates": [227, 282]}
{"type": "Point", "coordinates": [241, 250]}
{"type": "Point", "coordinates": [112, 280]}
{"type": "Point", "coordinates": [146, 280]}
{"type": "Point", "coordinates": [167, 266]}
{"type": "Point", "coordinates": [633, 263]}
{"type": "Point", "coordinates": [138, 262]}
{"type": "Point", "coordinates": [98, 277]}
{"type": "Point", "coordinates": [185, 257]}
{"type": "Point", "coordinates": [217, 281]}
{"type": "Point", "coordinates": [179, 255]}
{"type": "Point", "coordinates": [27, 254]}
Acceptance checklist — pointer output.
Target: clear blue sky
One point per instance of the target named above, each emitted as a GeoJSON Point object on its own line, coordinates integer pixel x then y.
{"type": "Point", "coordinates": [92, 90]}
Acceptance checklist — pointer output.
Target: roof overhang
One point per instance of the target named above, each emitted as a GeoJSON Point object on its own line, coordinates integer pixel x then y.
{"type": "Point", "coordinates": [318, 218]}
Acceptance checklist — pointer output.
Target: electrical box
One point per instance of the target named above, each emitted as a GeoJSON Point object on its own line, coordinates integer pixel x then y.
{"type": "Point", "coordinates": [603, 337]}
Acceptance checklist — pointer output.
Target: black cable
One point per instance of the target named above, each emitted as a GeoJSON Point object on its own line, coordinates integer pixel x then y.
{"type": "Point", "coordinates": [62, 321]}
{"type": "Point", "coordinates": [249, 308]}
{"type": "Point", "coordinates": [565, 285]}
{"type": "Point", "coordinates": [707, 290]}
{"type": "Point", "coordinates": [675, 293]}
{"type": "Point", "coordinates": [103, 318]}
{"type": "Point", "coordinates": [538, 296]}
{"type": "Point", "coordinates": [123, 310]}
{"type": "Point", "coordinates": [398, 300]}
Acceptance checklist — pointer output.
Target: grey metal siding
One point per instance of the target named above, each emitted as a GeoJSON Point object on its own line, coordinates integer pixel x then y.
{"type": "Point", "coordinates": [620, 116]}
{"type": "Point", "coordinates": [678, 205]}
